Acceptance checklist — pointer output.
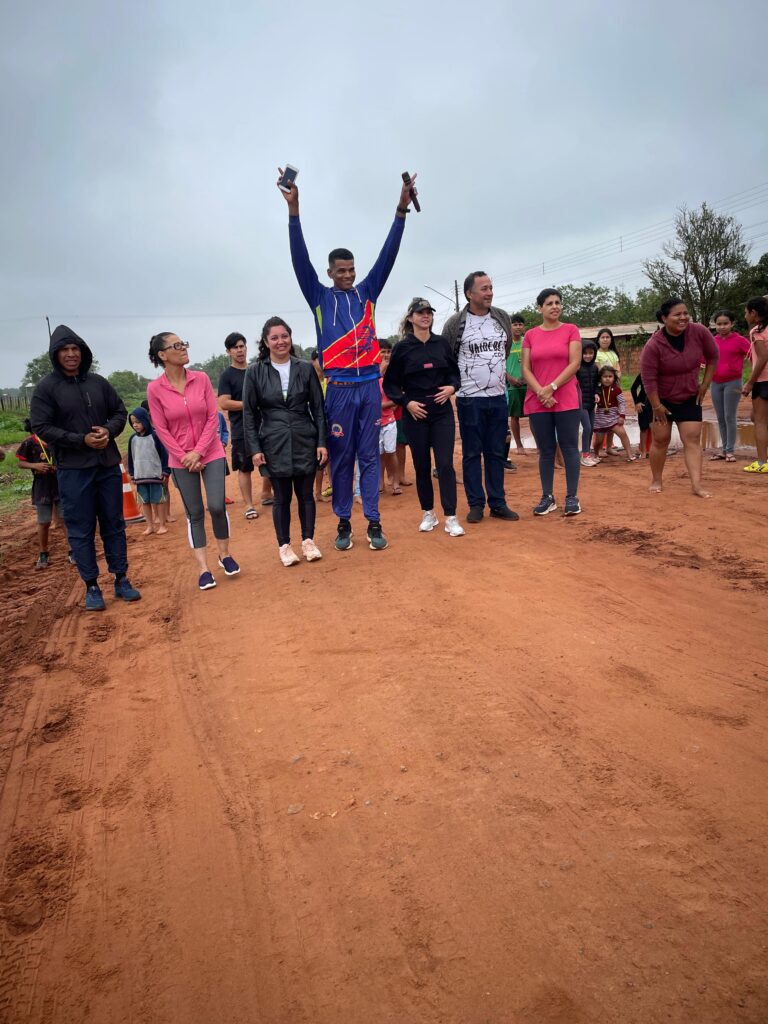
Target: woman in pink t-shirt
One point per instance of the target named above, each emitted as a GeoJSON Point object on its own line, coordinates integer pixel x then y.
{"type": "Point", "coordinates": [726, 384]}
{"type": "Point", "coordinates": [756, 315]}
{"type": "Point", "coordinates": [551, 355]}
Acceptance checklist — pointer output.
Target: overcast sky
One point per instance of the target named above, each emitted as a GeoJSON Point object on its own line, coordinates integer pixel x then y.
{"type": "Point", "coordinates": [141, 142]}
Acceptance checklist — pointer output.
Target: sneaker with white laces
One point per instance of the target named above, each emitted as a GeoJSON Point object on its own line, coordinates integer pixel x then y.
{"type": "Point", "coordinates": [310, 550]}
{"type": "Point", "coordinates": [288, 556]}
{"type": "Point", "coordinates": [453, 527]}
{"type": "Point", "coordinates": [546, 505]}
{"type": "Point", "coordinates": [428, 522]}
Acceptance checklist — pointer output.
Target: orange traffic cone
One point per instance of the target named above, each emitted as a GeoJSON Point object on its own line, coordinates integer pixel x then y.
{"type": "Point", "coordinates": [131, 511]}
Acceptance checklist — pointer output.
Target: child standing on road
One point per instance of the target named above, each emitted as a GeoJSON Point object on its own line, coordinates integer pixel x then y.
{"type": "Point", "coordinates": [33, 454]}
{"type": "Point", "coordinates": [587, 378]}
{"type": "Point", "coordinates": [608, 355]}
{"type": "Point", "coordinates": [610, 411]}
{"type": "Point", "coordinates": [388, 428]}
{"type": "Point", "coordinates": [148, 469]}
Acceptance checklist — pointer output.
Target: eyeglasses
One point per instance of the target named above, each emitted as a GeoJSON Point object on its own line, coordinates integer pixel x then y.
{"type": "Point", "coordinates": [179, 346]}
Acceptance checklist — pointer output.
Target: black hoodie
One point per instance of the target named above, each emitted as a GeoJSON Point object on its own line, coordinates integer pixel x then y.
{"type": "Point", "coordinates": [64, 409]}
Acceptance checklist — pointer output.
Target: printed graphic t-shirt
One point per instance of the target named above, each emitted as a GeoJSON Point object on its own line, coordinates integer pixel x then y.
{"type": "Point", "coordinates": [549, 357]}
{"type": "Point", "coordinates": [482, 358]}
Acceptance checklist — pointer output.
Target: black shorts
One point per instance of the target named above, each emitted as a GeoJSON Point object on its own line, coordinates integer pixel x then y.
{"type": "Point", "coordinates": [688, 411]}
{"type": "Point", "coordinates": [760, 390]}
{"type": "Point", "coordinates": [240, 461]}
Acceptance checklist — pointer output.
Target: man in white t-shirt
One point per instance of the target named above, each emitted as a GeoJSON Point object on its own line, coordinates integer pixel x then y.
{"type": "Point", "coordinates": [480, 336]}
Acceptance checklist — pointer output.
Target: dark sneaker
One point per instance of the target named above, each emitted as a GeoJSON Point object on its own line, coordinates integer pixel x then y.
{"type": "Point", "coordinates": [126, 591]}
{"type": "Point", "coordinates": [229, 565]}
{"type": "Point", "coordinates": [572, 506]}
{"type": "Point", "coordinates": [504, 512]}
{"type": "Point", "coordinates": [344, 535]}
{"type": "Point", "coordinates": [376, 539]}
{"type": "Point", "coordinates": [206, 581]}
{"type": "Point", "coordinates": [94, 600]}
{"type": "Point", "coordinates": [510, 466]}
{"type": "Point", "coordinates": [545, 506]}
{"type": "Point", "coordinates": [43, 561]}
{"type": "Point", "coordinates": [475, 514]}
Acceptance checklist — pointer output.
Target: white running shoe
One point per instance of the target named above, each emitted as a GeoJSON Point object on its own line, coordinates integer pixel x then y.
{"type": "Point", "coordinates": [453, 527]}
{"type": "Point", "coordinates": [310, 550]}
{"type": "Point", "coordinates": [288, 556]}
{"type": "Point", "coordinates": [428, 522]}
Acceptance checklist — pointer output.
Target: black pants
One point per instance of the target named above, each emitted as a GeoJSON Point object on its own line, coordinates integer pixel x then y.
{"type": "Point", "coordinates": [550, 430]}
{"type": "Point", "coordinates": [283, 488]}
{"type": "Point", "coordinates": [88, 496]}
{"type": "Point", "coordinates": [436, 432]}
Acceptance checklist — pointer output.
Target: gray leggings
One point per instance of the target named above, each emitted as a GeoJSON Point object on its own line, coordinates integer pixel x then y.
{"type": "Point", "coordinates": [725, 398]}
{"type": "Point", "coordinates": [190, 487]}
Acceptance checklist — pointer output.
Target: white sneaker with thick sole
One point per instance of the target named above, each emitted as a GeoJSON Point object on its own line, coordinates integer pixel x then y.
{"type": "Point", "coordinates": [428, 522]}
{"type": "Point", "coordinates": [453, 527]}
{"type": "Point", "coordinates": [288, 556]}
{"type": "Point", "coordinates": [310, 550]}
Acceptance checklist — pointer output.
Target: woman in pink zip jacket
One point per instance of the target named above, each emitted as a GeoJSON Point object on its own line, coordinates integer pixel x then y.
{"type": "Point", "coordinates": [185, 416]}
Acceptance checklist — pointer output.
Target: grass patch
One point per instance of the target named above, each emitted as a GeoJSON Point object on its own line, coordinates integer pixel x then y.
{"type": "Point", "coordinates": [11, 429]}
{"type": "Point", "coordinates": [15, 484]}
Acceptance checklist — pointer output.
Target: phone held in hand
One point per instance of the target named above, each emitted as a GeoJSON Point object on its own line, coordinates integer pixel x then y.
{"type": "Point", "coordinates": [288, 178]}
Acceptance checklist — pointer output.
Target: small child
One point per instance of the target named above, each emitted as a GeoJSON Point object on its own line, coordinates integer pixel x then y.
{"type": "Point", "coordinates": [388, 428]}
{"type": "Point", "coordinates": [610, 411]}
{"type": "Point", "coordinates": [608, 355]}
{"type": "Point", "coordinates": [148, 469]}
{"type": "Point", "coordinates": [33, 454]}
{"type": "Point", "coordinates": [644, 415]}
{"type": "Point", "coordinates": [586, 376]}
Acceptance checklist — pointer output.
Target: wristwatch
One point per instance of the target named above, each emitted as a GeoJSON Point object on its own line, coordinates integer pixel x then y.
{"type": "Point", "coordinates": [553, 386]}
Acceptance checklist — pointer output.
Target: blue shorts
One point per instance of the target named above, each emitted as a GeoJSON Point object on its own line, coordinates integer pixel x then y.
{"type": "Point", "coordinates": [151, 494]}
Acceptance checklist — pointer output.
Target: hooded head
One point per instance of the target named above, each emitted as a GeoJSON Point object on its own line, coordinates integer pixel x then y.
{"type": "Point", "coordinates": [61, 337]}
{"type": "Point", "coordinates": [143, 418]}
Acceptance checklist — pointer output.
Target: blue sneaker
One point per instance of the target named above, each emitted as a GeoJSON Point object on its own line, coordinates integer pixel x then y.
{"type": "Point", "coordinates": [206, 581]}
{"type": "Point", "coordinates": [546, 505]}
{"type": "Point", "coordinates": [94, 600]}
{"type": "Point", "coordinates": [229, 565]}
{"type": "Point", "coordinates": [126, 591]}
{"type": "Point", "coordinates": [572, 506]}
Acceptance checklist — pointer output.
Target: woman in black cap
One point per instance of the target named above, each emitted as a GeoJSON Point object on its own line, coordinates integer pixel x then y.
{"type": "Point", "coordinates": [421, 377]}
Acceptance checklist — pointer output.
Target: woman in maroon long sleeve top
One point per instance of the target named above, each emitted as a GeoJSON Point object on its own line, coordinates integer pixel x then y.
{"type": "Point", "coordinates": [669, 366]}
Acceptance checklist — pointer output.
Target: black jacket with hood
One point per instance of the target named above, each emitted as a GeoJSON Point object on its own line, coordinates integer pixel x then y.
{"type": "Point", "coordinates": [287, 430]}
{"type": "Point", "coordinates": [64, 409]}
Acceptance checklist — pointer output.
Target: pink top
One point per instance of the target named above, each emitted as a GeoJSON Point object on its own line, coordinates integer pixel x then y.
{"type": "Point", "coordinates": [387, 415]}
{"type": "Point", "coordinates": [188, 422]}
{"type": "Point", "coordinates": [674, 375]}
{"type": "Point", "coordinates": [730, 366]}
{"type": "Point", "coordinates": [761, 336]}
{"type": "Point", "coordinates": [549, 357]}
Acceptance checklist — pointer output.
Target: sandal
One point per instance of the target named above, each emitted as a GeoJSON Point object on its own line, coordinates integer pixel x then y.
{"type": "Point", "coordinates": [730, 457]}
{"type": "Point", "coordinates": [268, 501]}
{"type": "Point", "coordinates": [251, 513]}
{"type": "Point", "coordinates": [397, 490]}
{"type": "Point", "coordinates": [717, 457]}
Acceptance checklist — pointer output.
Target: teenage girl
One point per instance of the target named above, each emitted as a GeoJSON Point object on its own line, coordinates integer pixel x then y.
{"type": "Point", "coordinates": [727, 382]}
{"type": "Point", "coordinates": [610, 410]}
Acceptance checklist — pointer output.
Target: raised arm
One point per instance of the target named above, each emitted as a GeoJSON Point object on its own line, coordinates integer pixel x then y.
{"type": "Point", "coordinates": [305, 273]}
{"type": "Point", "coordinates": [382, 268]}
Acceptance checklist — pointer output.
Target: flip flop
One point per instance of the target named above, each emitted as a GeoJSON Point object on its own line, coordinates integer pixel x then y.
{"type": "Point", "coordinates": [268, 501]}
{"type": "Point", "coordinates": [730, 458]}
{"type": "Point", "coordinates": [717, 458]}
{"type": "Point", "coordinates": [396, 490]}
{"type": "Point", "coordinates": [251, 513]}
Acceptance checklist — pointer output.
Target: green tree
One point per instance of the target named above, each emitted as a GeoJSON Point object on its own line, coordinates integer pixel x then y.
{"type": "Point", "coordinates": [36, 369]}
{"type": "Point", "coordinates": [706, 257]}
{"type": "Point", "coordinates": [214, 367]}
{"type": "Point", "coordinates": [126, 382]}
{"type": "Point", "coordinates": [588, 305]}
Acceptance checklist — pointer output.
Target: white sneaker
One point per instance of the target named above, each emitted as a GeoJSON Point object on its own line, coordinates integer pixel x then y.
{"type": "Point", "coordinates": [453, 527]}
{"type": "Point", "coordinates": [310, 550]}
{"type": "Point", "coordinates": [428, 522]}
{"type": "Point", "coordinates": [288, 556]}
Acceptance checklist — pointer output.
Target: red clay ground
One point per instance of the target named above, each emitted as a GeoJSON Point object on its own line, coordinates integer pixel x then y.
{"type": "Point", "coordinates": [513, 778]}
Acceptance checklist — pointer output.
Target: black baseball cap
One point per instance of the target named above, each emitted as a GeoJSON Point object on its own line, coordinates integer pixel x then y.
{"type": "Point", "coordinates": [420, 306]}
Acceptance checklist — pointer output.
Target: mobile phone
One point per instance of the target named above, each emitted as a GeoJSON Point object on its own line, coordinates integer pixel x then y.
{"type": "Point", "coordinates": [288, 178]}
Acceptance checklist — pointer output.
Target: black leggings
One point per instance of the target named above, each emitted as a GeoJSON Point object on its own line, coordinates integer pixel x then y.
{"type": "Point", "coordinates": [550, 430]}
{"type": "Point", "coordinates": [437, 432]}
{"type": "Point", "coordinates": [283, 488]}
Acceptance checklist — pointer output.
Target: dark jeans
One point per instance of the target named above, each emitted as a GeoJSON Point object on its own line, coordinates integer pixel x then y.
{"type": "Point", "coordinates": [88, 496]}
{"type": "Point", "coordinates": [437, 432]}
{"type": "Point", "coordinates": [550, 430]}
{"type": "Point", "coordinates": [283, 488]}
{"type": "Point", "coordinates": [587, 417]}
{"type": "Point", "coordinates": [483, 429]}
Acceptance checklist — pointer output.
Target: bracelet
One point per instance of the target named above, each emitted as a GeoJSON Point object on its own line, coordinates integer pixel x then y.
{"type": "Point", "coordinates": [403, 210]}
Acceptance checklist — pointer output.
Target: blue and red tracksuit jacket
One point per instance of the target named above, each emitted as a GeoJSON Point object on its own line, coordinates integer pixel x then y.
{"type": "Point", "coordinates": [345, 321]}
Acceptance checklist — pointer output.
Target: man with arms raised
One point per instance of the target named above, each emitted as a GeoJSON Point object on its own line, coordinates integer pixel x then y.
{"type": "Point", "coordinates": [480, 337]}
{"type": "Point", "coordinates": [349, 355]}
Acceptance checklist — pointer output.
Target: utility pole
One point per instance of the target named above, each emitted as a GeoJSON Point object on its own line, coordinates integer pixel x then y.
{"type": "Point", "coordinates": [455, 299]}
{"type": "Point", "coordinates": [49, 328]}
{"type": "Point", "coordinates": [456, 294]}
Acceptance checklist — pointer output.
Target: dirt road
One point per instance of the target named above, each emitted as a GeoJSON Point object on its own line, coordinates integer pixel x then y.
{"type": "Point", "coordinates": [514, 778]}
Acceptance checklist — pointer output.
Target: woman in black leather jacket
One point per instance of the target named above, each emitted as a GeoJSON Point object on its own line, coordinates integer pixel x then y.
{"type": "Point", "coordinates": [285, 433]}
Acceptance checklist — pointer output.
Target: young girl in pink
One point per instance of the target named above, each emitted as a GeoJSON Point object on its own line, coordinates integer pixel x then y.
{"type": "Point", "coordinates": [610, 411]}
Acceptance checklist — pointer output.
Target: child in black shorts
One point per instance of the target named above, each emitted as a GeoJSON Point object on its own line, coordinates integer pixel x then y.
{"type": "Point", "coordinates": [33, 454]}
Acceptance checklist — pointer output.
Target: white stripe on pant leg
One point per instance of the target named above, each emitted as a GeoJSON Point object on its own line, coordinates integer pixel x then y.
{"type": "Point", "coordinates": [189, 532]}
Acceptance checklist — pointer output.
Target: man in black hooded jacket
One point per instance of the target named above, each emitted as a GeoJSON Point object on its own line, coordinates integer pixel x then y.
{"type": "Point", "coordinates": [79, 414]}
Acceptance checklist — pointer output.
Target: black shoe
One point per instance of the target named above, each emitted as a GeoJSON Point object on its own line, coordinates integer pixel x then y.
{"type": "Point", "coordinates": [504, 512]}
{"type": "Point", "coordinates": [572, 505]}
{"type": "Point", "coordinates": [94, 599]}
{"type": "Point", "coordinates": [344, 535]}
{"type": "Point", "coordinates": [475, 514]}
{"type": "Point", "coordinates": [546, 505]}
{"type": "Point", "coordinates": [376, 539]}
{"type": "Point", "coordinates": [510, 466]}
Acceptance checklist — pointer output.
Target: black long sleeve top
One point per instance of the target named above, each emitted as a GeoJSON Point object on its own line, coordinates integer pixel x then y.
{"type": "Point", "coordinates": [418, 368]}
